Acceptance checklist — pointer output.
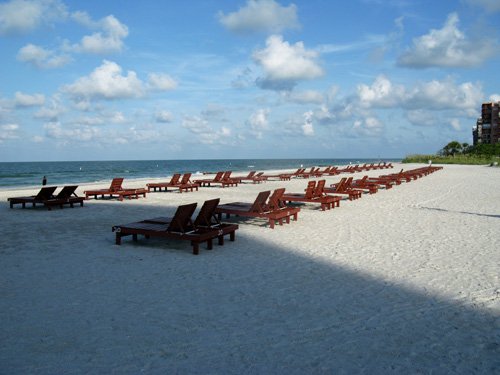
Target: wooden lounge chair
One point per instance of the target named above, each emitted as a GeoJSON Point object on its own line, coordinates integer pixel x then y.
{"type": "Point", "coordinates": [67, 195]}
{"type": "Point", "coordinates": [181, 227]}
{"type": "Point", "coordinates": [41, 197]}
{"type": "Point", "coordinates": [252, 176]}
{"type": "Point", "coordinates": [364, 185]}
{"type": "Point", "coordinates": [116, 189]}
{"type": "Point", "coordinates": [319, 191]}
{"type": "Point", "coordinates": [343, 187]}
{"type": "Point", "coordinates": [208, 181]}
{"type": "Point", "coordinates": [185, 183]}
{"type": "Point", "coordinates": [260, 208]}
{"type": "Point", "coordinates": [226, 180]}
{"type": "Point", "coordinates": [159, 185]}
{"type": "Point", "coordinates": [310, 196]}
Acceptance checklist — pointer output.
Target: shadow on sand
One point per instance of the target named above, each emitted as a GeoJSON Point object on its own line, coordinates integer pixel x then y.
{"type": "Point", "coordinates": [246, 307]}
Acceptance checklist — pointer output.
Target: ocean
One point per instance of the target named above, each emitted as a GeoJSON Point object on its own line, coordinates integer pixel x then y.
{"type": "Point", "coordinates": [76, 172]}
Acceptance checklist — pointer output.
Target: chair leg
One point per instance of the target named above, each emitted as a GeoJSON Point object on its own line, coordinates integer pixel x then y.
{"type": "Point", "coordinates": [196, 247]}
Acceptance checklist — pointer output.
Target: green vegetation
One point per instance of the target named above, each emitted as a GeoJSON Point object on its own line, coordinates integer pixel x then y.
{"type": "Point", "coordinates": [460, 153]}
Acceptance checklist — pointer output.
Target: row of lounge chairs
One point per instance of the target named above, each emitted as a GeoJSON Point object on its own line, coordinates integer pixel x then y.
{"type": "Point", "coordinates": [328, 171]}
{"type": "Point", "coordinates": [46, 197]}
{"type": "Point", "coordinates": [207, 225]}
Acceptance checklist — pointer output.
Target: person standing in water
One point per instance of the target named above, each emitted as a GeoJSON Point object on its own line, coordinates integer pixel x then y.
{"type": "Point", "coordinates": [44, 181]}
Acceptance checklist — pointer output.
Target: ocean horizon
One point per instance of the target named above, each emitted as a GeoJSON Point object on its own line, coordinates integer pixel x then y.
{"type": "Point", "coordinates": [28, 174]}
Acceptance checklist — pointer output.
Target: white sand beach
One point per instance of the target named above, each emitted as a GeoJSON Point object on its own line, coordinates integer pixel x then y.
{"type": "Point", "coordinates": [403, 281]}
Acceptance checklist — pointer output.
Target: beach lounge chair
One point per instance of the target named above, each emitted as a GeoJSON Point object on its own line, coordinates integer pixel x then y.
{"type": "Point", "coordinates": [319, 191]}
{"type": "Point", "coordinates": [159, 185]}
{"type": "Point", "coordinates": [67, 195]}
{"type": "Point", "coordinates": [208, 181]}
{"type": "Point", "coordinates": [185, 183]}
{"type": "Point", "coordinates": [116, 189]}
{"type": "Point", "coordinates": [364, 185]}
{"type": "Point", "coordinates": [344, 187]}
{"type": "Point", "coordinates": [252, 176]}
{"type": "Point", "coordinates": [44, 195]}
{"type": "Point", "coordinates": [311, 196]}
{"type": "Point", "coordinates": [181, 227]}
{"type": "Point", "coordinates": [274, 211]}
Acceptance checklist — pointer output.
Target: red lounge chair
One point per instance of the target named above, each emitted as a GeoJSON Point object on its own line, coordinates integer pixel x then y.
{"type": "Point", "coordinates": [208, 181]}
{"type": "Point", "coordinates": [185, 183]}
{"type": "Point", "coordinates": [159, 185]}
{"type": "Point", "coordinates": [311, 196]}
{"type": "Point", "coordinates": [273, 211]}
{"type": "Point", "coordinates": [363, 184]}
{"type": "Point", "coordinates": [226, 180]}
{"type": "Point", "coordinates": [343, 187]}
{"type": "Point", "coordinates": [256, 178]}
{"type": "Point", "coordinates": [41, 197]}
{"type": "Point", "coordinates": [181, 227]}
{"type": "Point", "coordinates": [116, 189]}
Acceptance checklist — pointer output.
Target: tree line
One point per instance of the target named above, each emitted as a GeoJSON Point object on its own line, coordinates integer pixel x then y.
{"type": "Point", "coordinates": [456, 148]}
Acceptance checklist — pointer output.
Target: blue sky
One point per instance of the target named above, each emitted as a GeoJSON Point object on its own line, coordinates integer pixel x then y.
{"type": "Point", "coordinates": [203, 79]}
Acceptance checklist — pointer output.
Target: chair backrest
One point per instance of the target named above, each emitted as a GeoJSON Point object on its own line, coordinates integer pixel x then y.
{"type": "Point", "coordinates": [46, 192]}
{"type": "Point", "coordinates": [175, 179]}
{"type": "Point", "coordinates": [347, 183]}
{"type": "Point", "coordinates": [311, 185]}
{"type": "Point", "coordinates": [66, 192]}
{"type": "Point", "coordinates": [339, 186]}
{"type": "Point", "coordinates": [116, 184]}
{"type": "Point", "coordinates": [259, 174]}
{"type": "Point", "coordinates": [251, 174]}
{"type": "Point", "coordinates": [185, 178]}
{"type": "Point", "coordinates": [226, 175]}
{"type": "Point", "coordinates": [206, 217]}
{"type": "Point", "coordinates": [181, 222]}
{"type": "Point", "coordinates": [362, 180]}
{"type": "Point", "coordinates": [260, 202]}
{"type": "Point", "coordinates": [319, 190]}
{"type": "Point", "coordinates": [275, 202]}
{"type": "Point", "coordinates": [218, 176]}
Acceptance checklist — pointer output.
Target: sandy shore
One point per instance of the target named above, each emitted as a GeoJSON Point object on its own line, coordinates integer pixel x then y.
{"type": "Point", "coordinates": [403, 281]}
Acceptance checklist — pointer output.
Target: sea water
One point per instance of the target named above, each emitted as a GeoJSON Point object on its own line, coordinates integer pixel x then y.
{"type": "Point", "coordinates": [77, 172]}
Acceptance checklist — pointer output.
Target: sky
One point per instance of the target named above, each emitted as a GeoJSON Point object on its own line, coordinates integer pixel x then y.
{"type": "Point", "coordinates": [242, 79]}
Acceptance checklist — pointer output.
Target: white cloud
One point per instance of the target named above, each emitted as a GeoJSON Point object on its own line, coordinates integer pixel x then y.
{"type": "Point", "coordinates": [447, 47]}
{"type": "Point", "coordinates": [285, 64]}
{"type": "Point", "coordinates": [369, 126]}
{"type": "Point", "coordinates": [26, 100]}
{"type": "Point", "coordinates": [196, 124]}
{"type": "Point", "coordinates": [382, 93]}
{"type": "Point", "coordinates": [164, 116]}
{"type": "Point", "coordinates": [305, 97]}
{"type": "Point", "coordinates": [259, 122]}
{"type": "Point", "coordinates": [455, 124]}
{"type": "Point", "coordinates": [9, 131]}
{"type": "Point", "coordinates": [23, 16]}
{"type": "Point", "coordinates": [422, 117]}
{"type": "Point", "coordinates": [54, 130]}
{"type": "Point", "coordinates": [161, 82]}
{"type": "Point", "coordinates": [489, 5]}
{"type": "Point", "coordinates": [41, 57]}
{"type": "Point", "coordinates": [307, 127]}
{"type": "Point", "coordinates": [106, 82]}
{"type": "Point", "coordinates": [51, 112]}
{"type": "Point", "coordinates": [108, 40]}
{"type": "Point", "coordinates": [261, 15]}
{"type": "Point", "coordinates": [436, 95]}
{"type": "Point", "coordinates": [204, 133]}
